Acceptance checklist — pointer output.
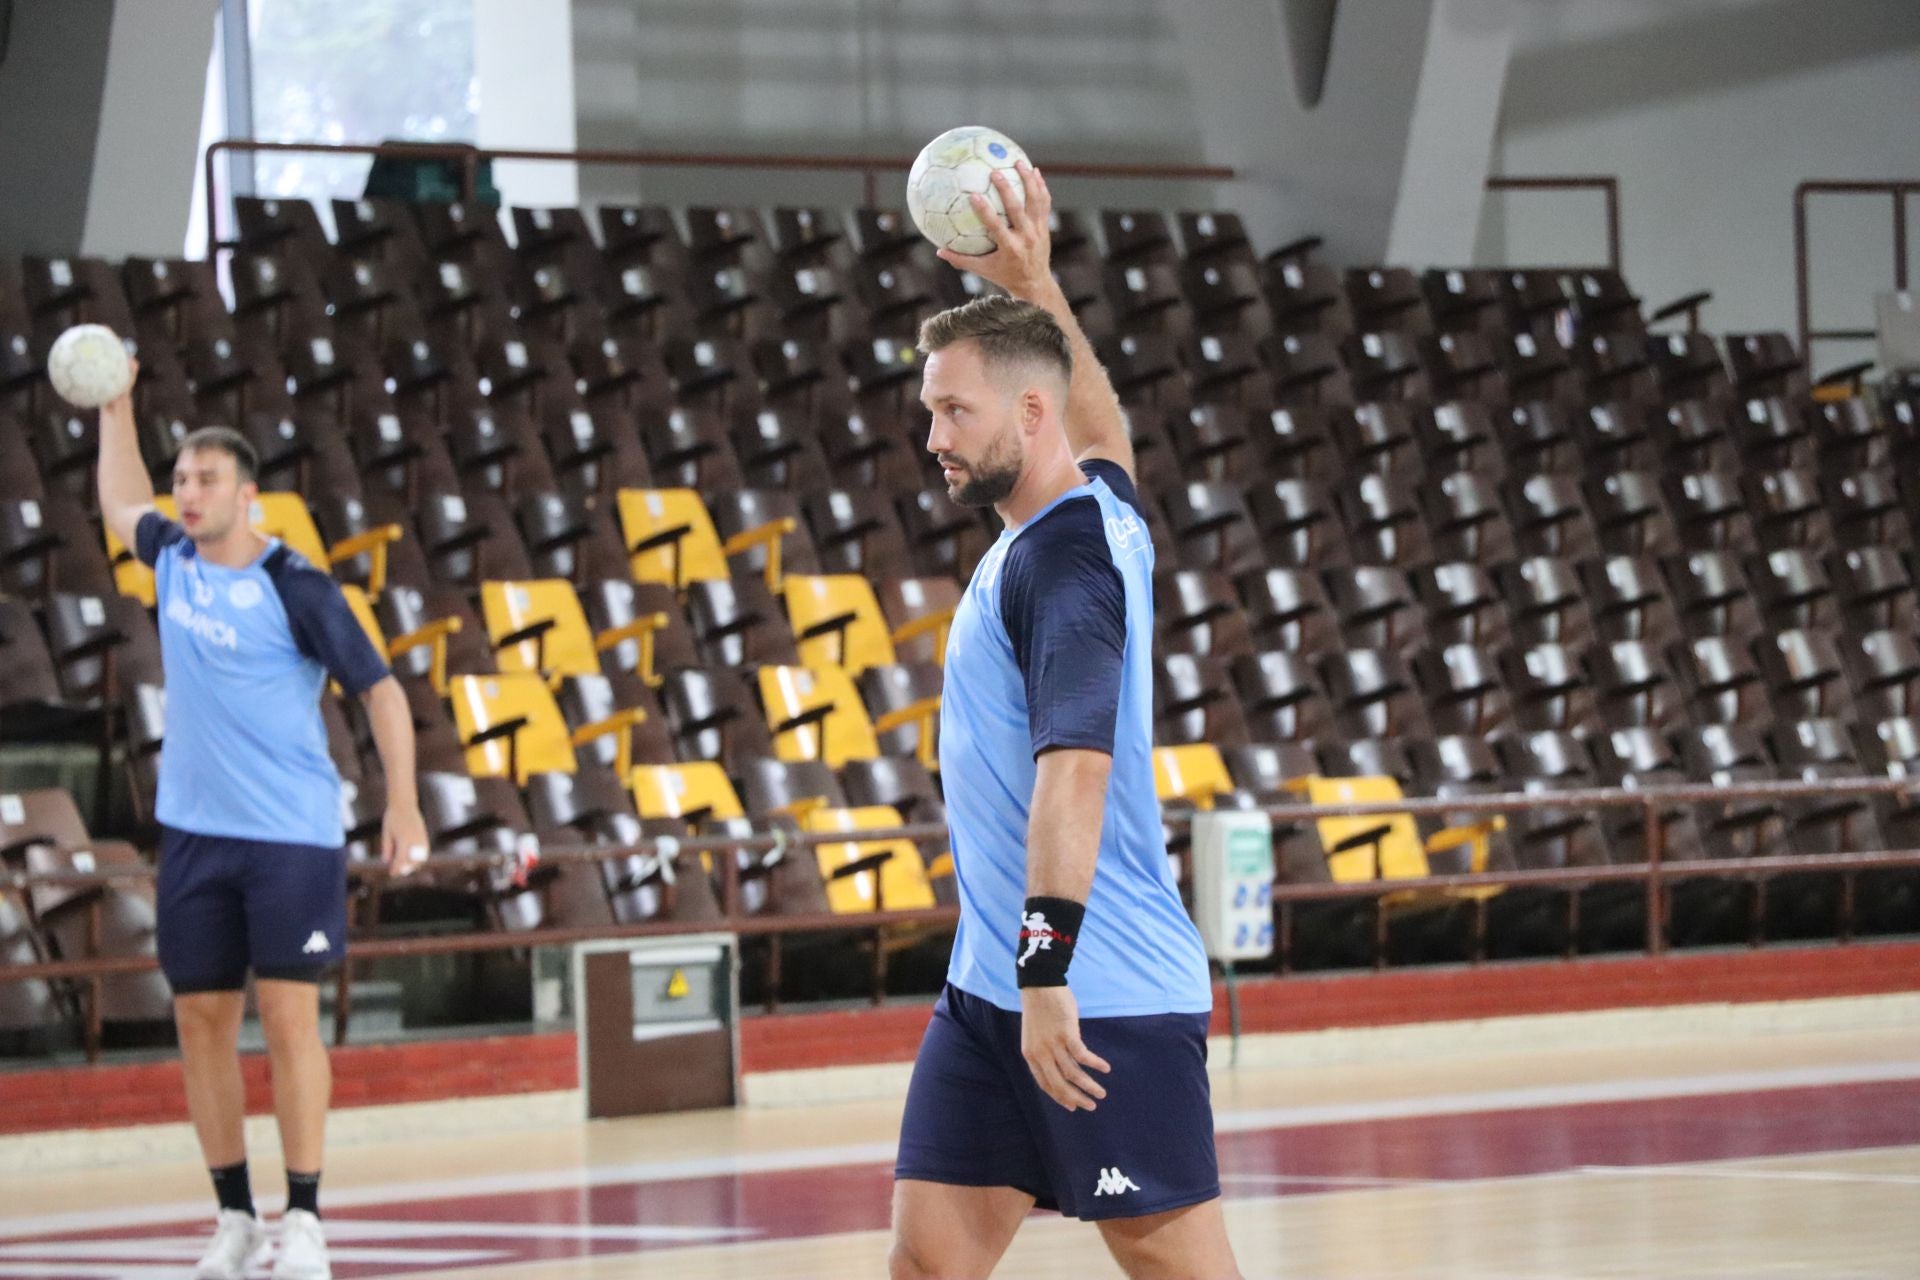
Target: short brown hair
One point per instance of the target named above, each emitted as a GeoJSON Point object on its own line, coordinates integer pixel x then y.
{"type": "Point", "coordinates": [246, 461]}
{"type": "Point", "coordinates": [1008, 330]}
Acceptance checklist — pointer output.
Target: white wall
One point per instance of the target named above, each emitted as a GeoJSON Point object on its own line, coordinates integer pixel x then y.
{"type": "Point", "coordinates": [1711, 111]}
{"type": "Point", "coordinates": [523, 59]}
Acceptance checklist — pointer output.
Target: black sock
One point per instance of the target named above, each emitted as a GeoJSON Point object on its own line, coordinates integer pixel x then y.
{"type": "Point", "coordinates": [231, 1185]}
{"type": "Point", "coordinates": [303, 1191]}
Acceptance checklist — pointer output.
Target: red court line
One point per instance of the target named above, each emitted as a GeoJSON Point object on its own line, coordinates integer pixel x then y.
{"type": "Point", "coordinates": [789, 1204]}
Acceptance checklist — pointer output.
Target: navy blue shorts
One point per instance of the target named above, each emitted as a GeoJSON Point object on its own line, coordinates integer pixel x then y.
{"type": "Point", "coordinates": [227, 906]}
{"type": "Point", "coordinates": [976, 1118]}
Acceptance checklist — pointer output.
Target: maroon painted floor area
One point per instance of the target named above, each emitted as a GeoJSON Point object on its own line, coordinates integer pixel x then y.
{"type": "Point", "coordinates": [1301, 1160]}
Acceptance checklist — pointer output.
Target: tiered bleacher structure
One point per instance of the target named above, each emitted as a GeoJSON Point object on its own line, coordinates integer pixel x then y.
{"type": "Point", "coordinates": [638, 504]}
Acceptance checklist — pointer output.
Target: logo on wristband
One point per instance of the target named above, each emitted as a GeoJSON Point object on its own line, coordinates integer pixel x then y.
{"type": "Point", "coordinates": [1038, 935]}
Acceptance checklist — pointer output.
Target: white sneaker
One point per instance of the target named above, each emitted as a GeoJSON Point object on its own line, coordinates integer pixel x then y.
{"type": "Point", "coordinates": [303, 1248]}
{"type": "Point", "coordinates": [239, 1243]}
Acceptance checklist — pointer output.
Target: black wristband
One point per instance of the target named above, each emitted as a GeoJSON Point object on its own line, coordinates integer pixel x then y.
{"type": "Point", "coordinates": [1049, 927]}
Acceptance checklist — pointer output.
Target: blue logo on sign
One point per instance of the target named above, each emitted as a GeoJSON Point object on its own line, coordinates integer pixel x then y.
{"type": "Point", "coordinates": [997, 151]}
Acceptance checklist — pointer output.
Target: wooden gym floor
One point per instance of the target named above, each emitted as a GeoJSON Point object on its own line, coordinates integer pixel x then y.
{"type": "Point", "coordinates": [1763, 1156]}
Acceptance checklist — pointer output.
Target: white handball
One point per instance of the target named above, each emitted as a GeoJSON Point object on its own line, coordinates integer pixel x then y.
{"type": "Point", "coordinates": [88, 366]}
{"type": "Point", "coordinates": [959, 162]}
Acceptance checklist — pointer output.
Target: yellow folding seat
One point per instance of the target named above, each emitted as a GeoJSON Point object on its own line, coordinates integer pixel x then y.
{"type": "Point", "coordinates": [815, 713]}
{"type": "Point", "coordinates": [837, 622]}
{"type": "Point", "coordinates": [670, 538]}
{"type": "Point", "coordinates": [512, 727]}
{"type": "Point", "coordinates": [868, 875]}
{"type": "Point", "coordinates": [1385, 846]}
{"type": "Point", "coordinates": [277, 515]}
{"type": "Point", "coordinates": [540, 626]}
{"type": "Point", "coordinates": [697, 792]}
{"type": "Point", "coordinates": [1194, 773]}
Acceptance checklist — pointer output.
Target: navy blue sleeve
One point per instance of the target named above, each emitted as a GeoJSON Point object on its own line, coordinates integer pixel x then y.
{"type": "Point", "coordinates": [154, 534]}
{"type": "Point", "coordinates": [1117, 480]}
{"type": "Point", "coordinates": [324, 627]}
{"type": "Point", "coordinates": [1065, 610]}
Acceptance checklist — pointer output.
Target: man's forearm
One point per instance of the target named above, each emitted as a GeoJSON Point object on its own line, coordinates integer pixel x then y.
{"type": "Point", "coordinates": [124, 484]}
{"type": "Point", "coordinates": [1094, 416]}
{"type": "Point", "coordinates": [1063, 827]}
{"type": "Point", "coordinates": [392, 723]}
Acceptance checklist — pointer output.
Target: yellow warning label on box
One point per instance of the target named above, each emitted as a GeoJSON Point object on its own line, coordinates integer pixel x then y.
{"type": "Point", "coordinates": [677, 985]}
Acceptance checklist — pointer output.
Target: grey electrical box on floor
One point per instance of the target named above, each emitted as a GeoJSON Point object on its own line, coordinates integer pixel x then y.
{"type": "Point", "coordinates": [657, 1020]}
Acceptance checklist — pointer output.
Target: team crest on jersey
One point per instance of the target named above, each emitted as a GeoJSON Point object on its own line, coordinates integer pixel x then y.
{"type": "Point", "coordinates": [245, 594]}
{"type": "Point", "coordinates": [1128, 534]}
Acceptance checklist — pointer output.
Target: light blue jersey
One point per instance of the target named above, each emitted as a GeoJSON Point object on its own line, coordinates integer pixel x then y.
{"type": "Point", "coordinates": [246, 652]}
{"type": "Point", "coordinates": [1052, 647]}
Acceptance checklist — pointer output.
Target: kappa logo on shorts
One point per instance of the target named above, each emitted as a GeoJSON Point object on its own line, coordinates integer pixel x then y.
{"type": "Point", "coordinates": [316, 944]}
{"type": "Point", "coordinates": [1114, 1183]}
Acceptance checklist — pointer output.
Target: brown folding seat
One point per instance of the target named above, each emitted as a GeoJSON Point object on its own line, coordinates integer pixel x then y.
{"type": "Point", "coordinates": [1614, 436]}
{"type": "Point", "coordinates": [1381, 516]}
{"type": "Point", "coordinates": [30, 695]}
{"type": "Point", "coordinates": [1627, 600]}
{"type": "Point", "coordinates": [742, 510]}
{"type": "Point", "coordinates": [275, 292]}
{"type": "Point", "coordinates": [857, 532]}
{"type": "Point", "coordinates": [1281, 698]}
{"type": "Point", "coordinates": [1213, 235]}
{"type": "Point", "coordinates": [1459, 435]}
{"type": "Point", "coordinates": [1633, 687]}
{"type": "Point", "coordinates": [143, 729]}
{"type": "Point", "coordinates": [1296, 442]}
{"type": "Point", "coordinates": [1462, 366]}
{"type": "Point", "coordinates": [30, 541]}
{"type": "Point", "coordinates": [1545, 602]}
{"type": "Point", "coordinates": [1465, 520]}
{"type": "Point", "coordinates": [1194, 701]}
{"type": "Point", "coordinates": [32, 1014]}
{"type": "Point", "coordinates": [1297, 526]}
{"type": "Point", "coordinates": [1461, 604]}
{"type": "Point", "coordinates": [903, 700]}
{"type": "Point", "coordinates": [1226, 368]}
{"type": "Point", "coordinates": [566, 538]}
{"type": "Point", "coordinates": [1135, 235]}
{"type": "Point", "coordinates": [593, 700]}
{"type": "Point", "coordinates": [1197, 612]}
{"type": "Point", "coordinates": [1639, 758]}
{"type": "Point", "coordinates": [788, 787]}
{"type": "Point", "coordinates": [1387, 298]}
{"type": "Point", "coordinates": [1804, 675]}
{"type": "Point", "coordinates": [66, 445]}
{"type": "Point", "coordinates": [1768, 432]}
{"type": "Point", "coordinates": [1464, 300]}
{"type": "Point", "coordinates": [1286, 609]}
{"type": "Point", "coordinates": [813, 301]}
{"type": "Point", "coordinates": [1375, 608]}
{"type": "Point", "coordinates": [1813, 751]}
{"type": "Point", "coordinates": [380, 228]}
{"type": "Point", "coordinates": [717, 235]}
{"type": "Point", "coordinates": [1212, 442]}
{"type": "Point", "coordinates": [1785, 510]}
{"type": "Point", "coordinates": [1212, 528]}
{"type": "Point", "coordinates": [1449, 767]}
{"type": "Point", "coordinates": [1849, 435]}
{"type": "Point", "coordinates": [726, 300]}
{"type": "Point", "coordinates": [496, 449]}
{"type": "Point", "coordinates": [1765, 364]}
{"type": "Point", "coordinates": [470, 537]}
{"type": "Point", "coordinates": [1865, 510]}
{"type": "Point", "coordinates": [713, 716]}
{"type": "Point", "coordinates": [174, 301]}
{"type": "Point", "coordinates": [379, 529]}
{"type": "Point", "coordinates": [1539, 369]}
{"type": "Point", "coordinates": [590, 807]}
{"type": "Point", "coordinates": [1722, 682]}
{"type": "Point", "coordinates": [1145, 368]}
{"type": "Point", "coordinates": [66, 291]}
{"type": "Point", "coordinates": [738, 624]}
{"type": "Point", "coordinates": [800, 374]}
{"type": "Point", "coordinates": [806, 236]}
{"type": "Point", "coordinates": [1372, 694]}
{"type": "Point", "coordinates": [1225, 296]}
{"type": "Point", "coordinates": [432, 632]}
{"type": "Point", "coordinates": [1367, 758]}
{"type": "Point", "coordinates": [883, 371]}
{"type": "Point", "coordinates": [780, 448]}
{"type": "Point", "coordinates": [1463, 692]}
{"type": "Point", "coordinates": [1546, 762]}
{"type": "Point", "coordinates": [19, 470]}
{"type": "Point", "coordinates": [1688, 365]}
{"type": "Point", "coordinates": [644, 301]}
{"type": "Point", "coordinates": [1615, 367]}
{"type": "Point", "coordinates": [1695, 435]}
{"type": "Point", "coordinates": [944, 538]}
{"type": "Point", "coordinates": [1547, 688]}
{"type": "Point", "coordinates": [1377, 438]}
{"type": "Point", "coordinates": [1549, 517]}
{"type": "Point", "coordinates": [1537, 436]}
{"type": "Point", "coordinates": [868, 450]}
{"type": "Point", "coordinates": [1307, 370]}
{"type": "Point", "coordinates": [279, 222]}
{"type": "Point", "coordinates": [1630, 516]}
{"type": "Point", "coordinates": [1386, 366]}
{"type": "Point", "coordinates": [1725, 754]}
{"type": "Point", "coordinates": [616, 603]}
{"type": "Point", "coordinates": [1710, 594]}
{"type": "Point", "coordinates": [1791, 589]}
{"type": "Point", "coordinates": [1145, 297]}
{"type": "Point", "coordinates": [1874, 589]}
{"type": "Point", "coordinates": [919, 612]}
{"type": "Point", "coordinates": [689, 448]}
{"type": "Point", "coordinates": [100, 644]}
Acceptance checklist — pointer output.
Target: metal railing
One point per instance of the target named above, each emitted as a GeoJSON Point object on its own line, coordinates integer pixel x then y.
{"type": "Point", "coordinates": [1654, 875]}
{"type": "Point", "coordinates": [870, 167]}
{"type": "Point", "coordinates": [1606, 184]}
{"type": "Point", "coordinates": [1899, 190]}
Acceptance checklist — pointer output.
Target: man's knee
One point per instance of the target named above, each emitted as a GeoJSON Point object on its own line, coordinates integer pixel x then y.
{"type": "Point", "coordinates": [904, 1264]}
{"type": "Point", "coordinates": [289, 1015]}
{"type": "Point", "coordinates": [208, 1017]}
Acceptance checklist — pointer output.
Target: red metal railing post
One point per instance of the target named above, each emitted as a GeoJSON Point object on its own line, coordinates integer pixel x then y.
{"type": "Point", "coordinates": [1656, 835]}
